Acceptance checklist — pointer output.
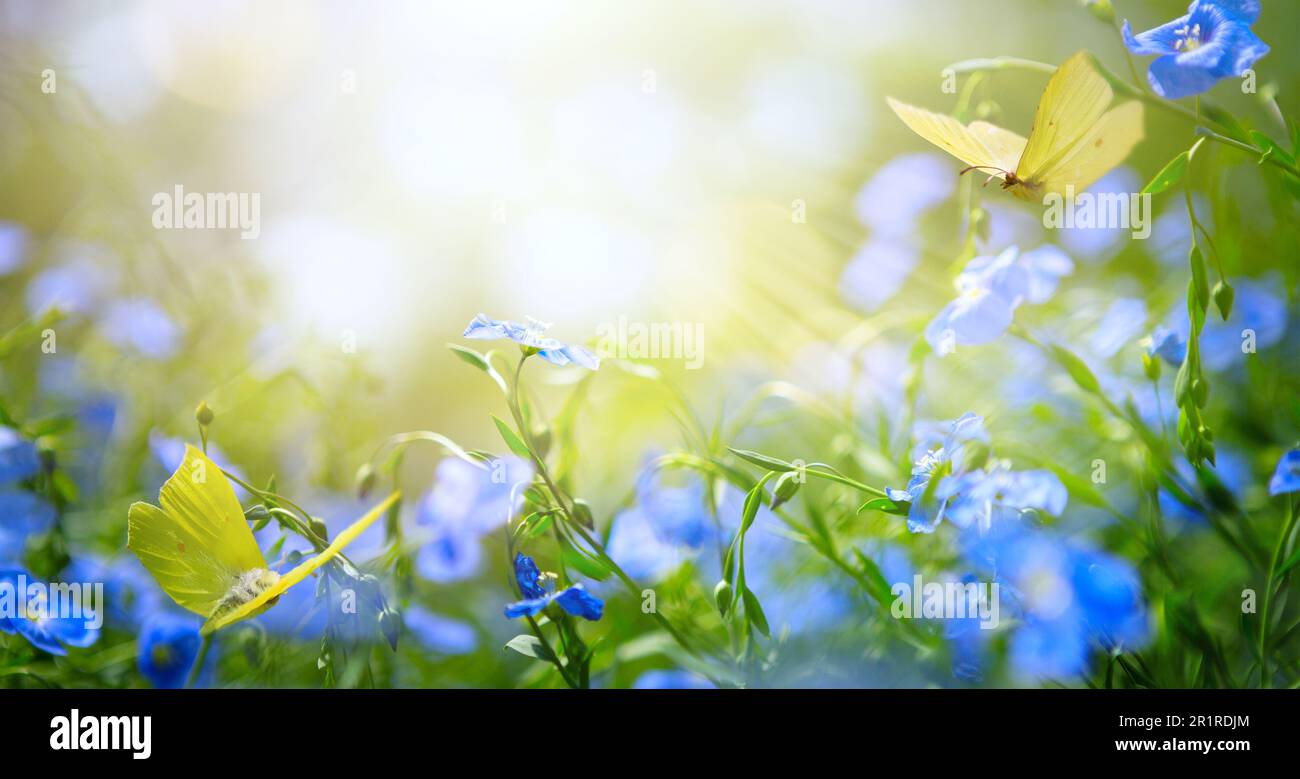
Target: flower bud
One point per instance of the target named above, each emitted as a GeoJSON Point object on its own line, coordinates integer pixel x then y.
{"type": "Point", "coordinates": [204, 414]}
{"type": "Point", "coordinates": [786, 487]}
{"type": "Point", "coordinates": [1223, 296]}
{"type": "Point", "coordinates": [1101, 10]}
{"type": "Point", "coordinates": [1151, 366]}
{"type": "Point", "coordinates": [722, 596]}
{"type": "Point", "coordinates": [318, 529]}
{"type": "Point", "coordinates": [582, 513]}
{"type": "Point", "coordinates": [365, 481]}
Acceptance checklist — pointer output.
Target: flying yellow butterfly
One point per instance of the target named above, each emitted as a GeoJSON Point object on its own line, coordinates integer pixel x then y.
{"type": "Point", "coordinates": [199, 548]}
{"type": "Point", "coordinates": [1073, 142]}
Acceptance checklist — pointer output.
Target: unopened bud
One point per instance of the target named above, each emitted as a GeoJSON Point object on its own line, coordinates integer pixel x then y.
{"type": "Point", "coordinates": [786, 487]}
{"type": "Point", "coordinates": [366, 478]}
{"type": "Point", "coordinates": [722, 596]}
{"type": "Point", "coordinates": [204, 414]}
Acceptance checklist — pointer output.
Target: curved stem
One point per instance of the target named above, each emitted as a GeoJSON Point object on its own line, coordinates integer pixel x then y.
{"type": "Point", "coordinates": [198, 662]}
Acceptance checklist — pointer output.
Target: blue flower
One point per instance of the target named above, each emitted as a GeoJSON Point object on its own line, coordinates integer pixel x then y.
{"type": "Point", "coordinates": [1259, 308]}
{"type": "Point", "coordinates": [22, 514]}
{"type": "Point", "coordinates": [169, 645]}
{"type": "Point", "coordinates": [13, 247]}
{"type": "Point", "coordinates": [132, 595]}
{"type": "Point", "coordinates": [538, 593]}
{"type": "Point", "coordinates": [1168, 345]}
{"type": "Point", "coordinates": [31, 617]}
{"type": "Point", "coordinates": [1109, 597]}
{"type": "Point", "coordinates": [672, 680]}
{"type": "Point", "coordinates": [927, 507]}
{"type": "Point", "coordinates": [18, 457]}
{"type": "Point", "coordinates": [140, 325]}
{"type": "Point", "coordinates": [467, 502]}
{"type": "Point", "coordinates": [1212, 41]}
{"type": "Point", "coordinates": [530, 336]}
{"type": "Point", "coordinates": [440, 634]}
{"type": "Point", "coordinates": [903, 189]}
{"type": "Point", "coordinates": [991, 288]}
{"type": "Point", "coordinates": [1287, 476]}
{"type": "Point", "coordinates": [983, 498]}
{"type": "Point", "coordinates": [1121, 323]}
{"type": "Point", "coordinates": [1067, 598]}
{"type": "Point", "coordinates": [876, 272]}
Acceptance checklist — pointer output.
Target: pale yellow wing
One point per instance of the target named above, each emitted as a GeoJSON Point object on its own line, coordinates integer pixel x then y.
{"type": "Point", "coordinates": [198, 543]}
{"type": "Point", "coordinates": [980, 144]}
{"type": "Point", "coordinates": [301, 572]}
{"type": "Point", "coordinates": [1105, 146]}
{"type": "Point", "coordinates": [1003, 144]}
{"type": "Point", "coordinates": [1075, 98]}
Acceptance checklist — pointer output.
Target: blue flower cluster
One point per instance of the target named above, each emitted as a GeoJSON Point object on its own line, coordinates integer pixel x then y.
{"type": "Point", "coordinates": [956, 480]}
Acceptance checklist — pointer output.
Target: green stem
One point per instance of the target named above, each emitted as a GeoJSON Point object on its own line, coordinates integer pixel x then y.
{"type": "Point", "coordinates": [1282, 538]}
{"type": "Point", "coordinates": [198, 661]}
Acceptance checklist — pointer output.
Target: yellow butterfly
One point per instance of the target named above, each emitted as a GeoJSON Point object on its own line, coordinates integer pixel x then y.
{"type": "Point", "coordinates": [1073, 142]}
{"type": "Point", "coordinates": [200, 549]}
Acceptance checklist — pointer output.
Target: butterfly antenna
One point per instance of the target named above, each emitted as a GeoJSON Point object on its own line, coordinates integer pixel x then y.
{"type": "Point", "coordinates": [982, 167]}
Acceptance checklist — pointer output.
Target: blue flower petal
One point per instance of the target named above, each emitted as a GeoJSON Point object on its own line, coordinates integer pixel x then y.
{"type": "Point", "coordinates": [1287, 476]}
{"type": "Point", "coordinates": [527, 575]}
{"type": "Point", "coordinates": [1158, 40]}
{"type": "Point", "coordinates": [580, 603]}
{"type": "Point", "coordinates": [527, 608]}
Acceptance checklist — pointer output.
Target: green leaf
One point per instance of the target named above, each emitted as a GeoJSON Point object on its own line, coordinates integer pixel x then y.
{"type": "Point", "coordinates": [886, 505]}
{"type": "Point", "coordinates": [752, 502]}
{"type": "Point", "coordinates": [1078, 370]}
{"type": "Point", "coordinates": [512, 439]}
{"type": "Point", "coordinates": [588, 565]}
{"type": "Point", "coordinates": [1168, 176]}
{"type": "Point", "coordinates": [1291, 562]}
{"type": "Point", "coordinates": [529, 646]}
{"type": "Point", "coordinates": [762, 460]}
{"type": "Point", "coordinates": [470, 357]}
{"type": "Point", "coordinates": [754, 613]}
{"type": "Point", "coordinates": [876, 584]}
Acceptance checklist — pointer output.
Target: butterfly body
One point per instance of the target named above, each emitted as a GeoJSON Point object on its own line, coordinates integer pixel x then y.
{"type": "Point", "coordinates": [1073, 142]}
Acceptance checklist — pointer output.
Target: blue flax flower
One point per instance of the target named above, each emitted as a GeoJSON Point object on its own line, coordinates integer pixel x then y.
{"type": "Point", "coordinates": [1067, 598]}
{"type": "Point", "coordinates": [18, 457]}
{"type": "Point", "coordinates": [169, 645]}
{"type": "Point", "coordinates": [539, 592]}
{"type": "Point", "coordinates": [991, 288]}
{"type": "Point", "coordinates": [22, 514]}
{"type": "Point", "coordinates": [530, 336]}
{"type": "Point", "coordinates": [1211, 41]}
{"type": "Point", "coordinates": [30, 615]}
{"type": "Point", "coordinates": [1287, 476]}
{"type": "Point", "coordinates": [441, 634]}
{"type": "Point", "coordinates": [466, 503]}
{"type": "Point", "coordinates": [931, 467]}
{"type": "Point", "coordinates": [1168, 345]}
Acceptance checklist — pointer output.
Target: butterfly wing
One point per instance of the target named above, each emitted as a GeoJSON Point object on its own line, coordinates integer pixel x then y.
{"type": "Point", "coordinates": [1074, 100]}
{"type": "Point", "coordinates": [1106, 145]}
{"type": "Point", "coordinates": [198, 543]}
{"type": "Point", "coordinates": [301, 572]}
{"type": "Point", "coordinates": [979, 144]}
